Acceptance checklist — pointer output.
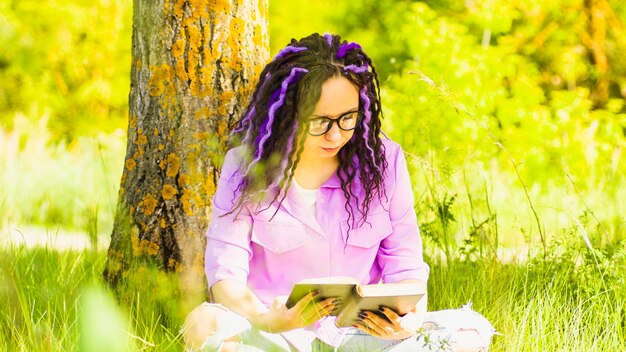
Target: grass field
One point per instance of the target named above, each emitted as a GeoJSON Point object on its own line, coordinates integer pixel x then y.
{"type": "Point", "coordinates": [54, 301]}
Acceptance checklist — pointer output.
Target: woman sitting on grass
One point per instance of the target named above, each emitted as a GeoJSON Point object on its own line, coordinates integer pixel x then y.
{"type": "Point", "coordinates": [315, 191]}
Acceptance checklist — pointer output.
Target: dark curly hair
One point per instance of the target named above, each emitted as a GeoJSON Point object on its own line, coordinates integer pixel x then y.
{"type": "Point", "coordinates": [277, 115]}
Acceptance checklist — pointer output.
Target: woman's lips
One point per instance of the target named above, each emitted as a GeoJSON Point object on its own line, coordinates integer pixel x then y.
{"type": "Point", "coordinates": [331, 150]}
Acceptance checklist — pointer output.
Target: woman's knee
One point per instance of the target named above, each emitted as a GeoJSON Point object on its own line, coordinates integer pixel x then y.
{"type": "Point", "coordinates": [200, 324]}
{"type": "Point", "coordinates": [208, 326]}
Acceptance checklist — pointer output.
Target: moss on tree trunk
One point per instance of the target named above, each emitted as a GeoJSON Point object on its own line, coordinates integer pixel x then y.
{"type": "Point", "coordinates": [194, 66]}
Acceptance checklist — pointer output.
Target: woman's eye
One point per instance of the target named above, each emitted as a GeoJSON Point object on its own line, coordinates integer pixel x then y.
{"type": "Point", "coordinates": [317, 123]}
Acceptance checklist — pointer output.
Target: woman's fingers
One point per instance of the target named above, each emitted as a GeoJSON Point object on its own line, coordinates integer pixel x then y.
{"type": "Point", "coordinates": [391, 315]}
{"type": "Point", "coordinates": [316, 311]}
{"type": "Point", "coordinates": [381, 327]}
{"type": "Point", "coordinates": [365, 327]}
{"type": "Point", "coordinates": [304, 302]}
{"type": "Point", "coordinates": [375, 323]}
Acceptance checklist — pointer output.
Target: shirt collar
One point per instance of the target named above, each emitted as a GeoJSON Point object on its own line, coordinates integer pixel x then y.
{"type": "Point", "coordinates": [332, 182]}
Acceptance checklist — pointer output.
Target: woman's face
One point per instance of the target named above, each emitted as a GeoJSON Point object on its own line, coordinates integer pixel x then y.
{"type": "Point", "coordinates": [338, 96]}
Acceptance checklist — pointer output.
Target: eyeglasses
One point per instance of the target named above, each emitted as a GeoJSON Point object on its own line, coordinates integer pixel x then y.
{"type": "Point", "coordinates": [346, 122]}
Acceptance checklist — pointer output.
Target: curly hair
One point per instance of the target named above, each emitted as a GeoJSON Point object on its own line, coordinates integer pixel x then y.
{"type": "Point", "coordinates": [283, 100]}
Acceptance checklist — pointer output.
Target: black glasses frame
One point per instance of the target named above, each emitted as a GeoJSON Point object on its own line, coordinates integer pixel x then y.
{"type": "Point", "coordinates": [336, 120]}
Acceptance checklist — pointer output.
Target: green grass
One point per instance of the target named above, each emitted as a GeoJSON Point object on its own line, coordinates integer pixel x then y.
{"type": "Point", "coordinates": [54, 301]}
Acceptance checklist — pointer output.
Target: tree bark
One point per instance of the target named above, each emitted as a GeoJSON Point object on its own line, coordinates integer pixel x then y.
{"type": "Point", "coordinates": [597, 46]}
{"type": "Point", "coordinates": [193, 68]}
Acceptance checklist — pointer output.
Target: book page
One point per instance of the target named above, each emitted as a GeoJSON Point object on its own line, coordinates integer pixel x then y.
{"type": "Point", "coordinates": [385, 290]}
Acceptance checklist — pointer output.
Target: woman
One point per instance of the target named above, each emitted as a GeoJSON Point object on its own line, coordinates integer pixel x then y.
{"type": "Point", "coordinates": [314, 191]}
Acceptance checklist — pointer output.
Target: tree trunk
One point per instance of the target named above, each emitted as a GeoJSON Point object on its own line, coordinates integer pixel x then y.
{"type": "Point", "coordinates": [193, 68]}
{"type": "Point", "coordinates": [597, 46]}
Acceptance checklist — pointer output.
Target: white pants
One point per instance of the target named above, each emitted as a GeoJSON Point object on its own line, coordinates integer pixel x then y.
{"type": "Point", "coordinates": [446, 330]}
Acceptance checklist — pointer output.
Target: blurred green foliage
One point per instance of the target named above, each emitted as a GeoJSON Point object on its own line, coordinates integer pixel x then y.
{"type": "Point", "coordinates": [503, 94]}
{"type": "Point", "coordinates": [69, 60]}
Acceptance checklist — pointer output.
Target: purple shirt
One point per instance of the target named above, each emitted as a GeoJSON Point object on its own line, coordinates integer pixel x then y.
{"type": "Point", "coordinates": [270, 255]}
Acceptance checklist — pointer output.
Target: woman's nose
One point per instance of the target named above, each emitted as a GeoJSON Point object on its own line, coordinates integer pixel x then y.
{"type": "Point", "coordinates": [334, 133]}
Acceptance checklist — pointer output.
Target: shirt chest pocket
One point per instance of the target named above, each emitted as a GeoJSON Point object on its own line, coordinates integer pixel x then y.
{"type": "Point", "coordinates": [279, 237]}
{"type": "Point", "coordinates": [370, 234]}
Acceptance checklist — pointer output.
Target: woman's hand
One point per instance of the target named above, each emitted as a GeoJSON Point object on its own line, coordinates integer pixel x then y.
{"type": "Point", "coordinates": [394, 327]}
{"type": "Point", "coordinates": [279, 318]}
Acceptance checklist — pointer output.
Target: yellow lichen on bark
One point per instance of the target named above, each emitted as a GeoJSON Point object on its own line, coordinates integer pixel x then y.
{"type": "Point", "coordinates": [198, 9]}
{"type": "Point", "coordinates": [225, 99]}
{"type": "Point", "coordinates": [206, 75]}
{"type": "Point", "coordinates": [202, 113]}
{"type": "Point", "coordinates": [151, 247]}
{"type": "Point", "coordinates": [257, 71]}
{"type": "Point", "coordinates": [209, 185]}
{"type": "Point", "coordinates": [178, 51]}
{"type": "Point", "coordinates": [183, 180]}
{"type": "Point", "coordinates": [219, 5]}
{"type": "Point", "coordinates": [194, 35]}
{"type": "Point", "coordinates": [178, 8]}
{"type": "Point", "coordinates": [132, 121]}
{"type": "Point", "coordinates": [257, 38]}
{"type": "Point", "coordinates": [130, 164]}
{"type": "Point", "coordinates": [188, 200]}
{"type": "Point", "coordinates": [192, 161]}
{"type": "Point", "coordinates": [141, 138]}
{"type": "Point", "coordinates": [195, 88]}
{"type": "Point", "coordinates": [148, 204]}
{"type": "Point", "coordinates": [160, 82]}
{"type": "Point", "coordinates": [202, 135]}
{"type": "Point", "coordinates": [173, 164]}
{"type": "Point", "coordinates": [221, 128]}
{"type": "Point", "coordinates": [237, 26]}
{"type": "Point", "coordinates": [168, 191]}
{"type": "Point", "coordinates": [194, 40]}
{"type": "Point", "coordinates": [181, 71]}
{"type": "Point", "coordinates": [178, 48]}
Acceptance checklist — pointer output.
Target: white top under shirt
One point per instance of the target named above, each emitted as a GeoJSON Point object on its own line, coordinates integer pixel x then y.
{"type": "Point", "coordinates": [308, 196]}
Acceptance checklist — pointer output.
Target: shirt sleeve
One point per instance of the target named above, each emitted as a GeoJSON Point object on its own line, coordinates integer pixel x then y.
{"type": "Point", "coordinates": [228, 252]}
{"type": "Point", "coordinates": [400, 254]}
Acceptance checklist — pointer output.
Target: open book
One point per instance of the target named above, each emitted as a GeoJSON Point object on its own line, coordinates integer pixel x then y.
{"type": "Point", "coordinates": [402, 298]}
